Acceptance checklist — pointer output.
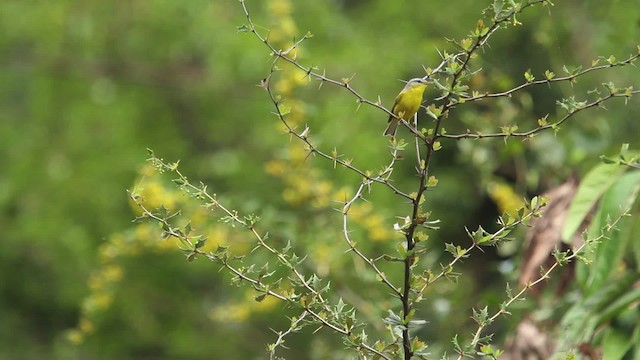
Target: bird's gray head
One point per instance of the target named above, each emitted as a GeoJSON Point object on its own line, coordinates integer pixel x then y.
{"type": "Point", "coordinates": [416, 81]}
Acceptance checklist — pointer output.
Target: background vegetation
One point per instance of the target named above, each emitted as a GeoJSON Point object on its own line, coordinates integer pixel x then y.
{"type": "Point", "coordinates": [86, 87]}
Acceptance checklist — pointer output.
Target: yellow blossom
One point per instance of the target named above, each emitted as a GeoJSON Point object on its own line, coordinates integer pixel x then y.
{"type": "Point", "coordinates": [113, 273]}
{"type": "Point", "coordinates": [505, 197]}
{"type": "Point", "coordinates": [275, 168]}
{"type": "Point", "coordinates": [279, 8]}
{"type": "Point", "coordinates": [230, 313]}
{"type": "Point", "coordinates": [75, 337]}
{"type": "Point", "coordinates": [86, 326]}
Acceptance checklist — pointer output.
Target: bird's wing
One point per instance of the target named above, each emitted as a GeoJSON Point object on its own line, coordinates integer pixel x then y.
{"type": "Point", "coordinates": [393, 108]}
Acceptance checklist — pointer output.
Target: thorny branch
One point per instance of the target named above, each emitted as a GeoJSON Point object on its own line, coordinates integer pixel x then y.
{"type": "Point", "coordinates": [454, 94]}
{"type": "Point", "coordinates": [223, 258]}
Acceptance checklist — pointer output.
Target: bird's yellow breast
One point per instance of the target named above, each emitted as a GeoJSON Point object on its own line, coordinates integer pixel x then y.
{"type": "Point", "coordinates": [408, 102]}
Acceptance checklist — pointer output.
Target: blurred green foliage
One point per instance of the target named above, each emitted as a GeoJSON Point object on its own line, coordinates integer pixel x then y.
{"type": "Point", "coordinates": [87, 86]}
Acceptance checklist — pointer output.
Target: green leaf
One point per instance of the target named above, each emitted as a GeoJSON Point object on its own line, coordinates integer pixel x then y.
{"type": "Point", "coordinates": [528, 76]}
{"type": "Point", "coordinates": [401, 249]}
{"type": "Point", "coordinates": [615, 344]}
{"type": "Point", "coordinates": [284, 110]}
{"type": "Point", "coordinates": [636, 340]}
{"type": "Point", "coordinates": [616, 200]}
{"type": "Point", "coordinates": [393, 319]}
{"type": "Point", "coordinates": [549, 75]}
{"type": "Point", "coordinates": [481, 316]}
{"type": "Point", "coordinates": [595, 183]}
{"type": "Point", "coordinates": [634, 232]}
{"type": "Point", "coordinates": [582, 319]}
{"type": "Point", "coordinates": [621, 302]}
{"type": "Point", "coordinates": [434, 111]}
{"type": "Point", "coordinates": [188, 228]}
{"type": "Point", "coordinates": [200, 243]}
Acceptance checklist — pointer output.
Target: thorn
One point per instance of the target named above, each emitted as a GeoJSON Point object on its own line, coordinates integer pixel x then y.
{"type": "Point", "coordinates": [264, 83]}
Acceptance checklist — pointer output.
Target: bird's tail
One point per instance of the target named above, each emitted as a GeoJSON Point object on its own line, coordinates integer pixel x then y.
{"type": "Point", "coordinates": [392, 127]}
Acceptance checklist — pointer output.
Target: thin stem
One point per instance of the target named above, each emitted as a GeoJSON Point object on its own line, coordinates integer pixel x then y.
{"type": "Point", "coordinates": [572, 77]}
{"type": "Point", "coordinates": [526, 134]}
{"type": "Point", "coordinates": [545, 275]}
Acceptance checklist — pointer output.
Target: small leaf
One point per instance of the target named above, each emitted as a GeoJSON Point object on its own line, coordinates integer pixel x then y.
{"type": "Point", "coordinates": [528, 76]}
{"type": "Point", "coordinates": [543, 120]}
{"type": "Point", "coordinates": [284, 110]}
{"type": "Point", "coordinates": [549, 75]}
{"type": "Point", "coordinates": [466, 44]}
{"type": "Point", "coordinates": [434, 111]}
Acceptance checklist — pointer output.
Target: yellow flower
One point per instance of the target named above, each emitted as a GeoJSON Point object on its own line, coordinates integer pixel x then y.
{"type": "Point", "coordinates": [227, 313]}
{"type": "Point", "coordinates": [275, 168]}
{"type": "Point", "coordinates": [505, 197]}
{"type": "Point", "coordinates": [96, 282]}
{"type": "Point", "coordinates": [113, 273]}
{"type": "Point", "coordinates": [278, 8]}
{"type": "Point", "coordinates": [75, 337]}
{"type": "Point", "coordinates": [86, 326]}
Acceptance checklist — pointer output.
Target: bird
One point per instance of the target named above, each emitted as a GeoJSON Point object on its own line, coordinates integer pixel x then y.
{"type": "Point", "coordinates": [406, 104]}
